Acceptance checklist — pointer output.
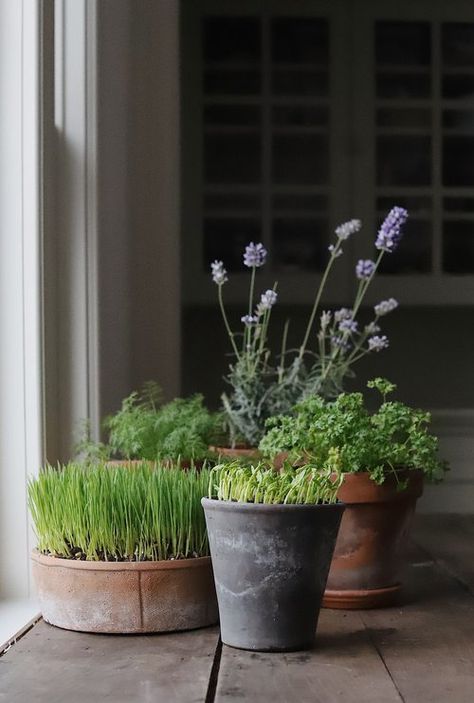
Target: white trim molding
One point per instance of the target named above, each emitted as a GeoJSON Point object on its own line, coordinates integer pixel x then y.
{"type": "Point", "coordinates": [71, 265]}
{"type": "Point", "coordinates": [21, 403]}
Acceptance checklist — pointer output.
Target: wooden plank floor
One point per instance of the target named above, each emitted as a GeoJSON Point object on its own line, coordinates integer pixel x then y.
{"type": "Point", "coordinates": [420, 651]}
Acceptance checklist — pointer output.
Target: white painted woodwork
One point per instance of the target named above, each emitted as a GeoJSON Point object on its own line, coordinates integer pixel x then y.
{"type": "Point", "coordinates": [21, 416]}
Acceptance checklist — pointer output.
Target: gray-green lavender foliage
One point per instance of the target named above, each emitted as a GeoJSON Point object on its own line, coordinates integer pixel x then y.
{"type": "Point", "coordinates": [263, 383]}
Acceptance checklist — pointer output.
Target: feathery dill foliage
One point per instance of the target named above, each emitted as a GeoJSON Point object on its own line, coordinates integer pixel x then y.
{"type": "Point", "coordinates": [145, 429]}
{"type": "Point", "coordinates": [101, 513]}
{"type": "Point", "coordinates": [260, 484]}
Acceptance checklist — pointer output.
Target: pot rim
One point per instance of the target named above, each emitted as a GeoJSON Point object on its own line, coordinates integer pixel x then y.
{"type": "Point", "coordinates": [215, 504]}
{"type": "Point", "coordinates": [51, 561]}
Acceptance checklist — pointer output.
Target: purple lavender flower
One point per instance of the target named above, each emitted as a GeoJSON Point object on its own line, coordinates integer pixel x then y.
{"type": "Point", "coordinates": [342, 314]}
{"type": "Point", "coordinates": [267, 300]}
{"type": "Point", "coordinates": [385, 306]}
{"type": "Point", "coordinates": [255, 255]}
{"type": "Point", "coordinates": [340, 342]}
{"type": "Point", "coordinates": [378, 343]}
{"type": "Point", "coordinates": [348, 326]}
{"type": "Point", "coordinates": [390, 232]}
{"type": "Point", "coordinates": [219, 274]}
{"type": "Point", "coordinates": [372, 328]}
{"type": "Point", "coordinates": [365, 269]}
{"type": "Point", "coordinates": [332, 250]}
{"type": "Point", "coordinates": [249, 320]}
{"type": "Point", "coordinates": [347, 228]}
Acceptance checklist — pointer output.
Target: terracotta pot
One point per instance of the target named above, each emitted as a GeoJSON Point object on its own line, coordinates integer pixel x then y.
{"type": "Point", "coordinates": [126, 597]}
{"type": "Point", "coordinates": [366, 563]}
{"type": "Point", "coordinates": [238, 452]}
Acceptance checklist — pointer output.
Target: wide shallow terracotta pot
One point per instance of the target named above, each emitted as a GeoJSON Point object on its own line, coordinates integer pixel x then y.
{"type": "Point", "coordinates": [270, 566]}
{"type": "Point", "coordinates": [126, 597]}
{"type": "Point", "coordinates": [238, 452]}
{"type": "Point", "coordinates": [365, 570]}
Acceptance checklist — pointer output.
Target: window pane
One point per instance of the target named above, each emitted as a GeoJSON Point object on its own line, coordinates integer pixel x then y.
{"type": "Point", "coordinates": [300, 83]}
{"type": "Point", "coordinates": [459, 204]}
{"type": "Point", "coordinates": [299, 40]}
{"type": "Point", "coordinates": [300, 115]}
{"type": "Point", "coordinates": [403, 43]}
{"type": "Point", "coordinates": [232, 158]}
{"type": "Point", "coordinates": [403, 160]}
{"type": "Point", "coordinates": [226, 239]}
{"type": "Point", "coordinates": [458, 44]}
{"type": "Point", "coordinates": [459, 119]}
{"type": "Point", "coordinates": [297, 201]}
{"type": "Point", "coordinates": [404, 117]}
{"type": "Point", "coordinates": [232, 115]}
{"type": "Point", "coordinates": [403, 85]}
{"type": "Point", "coordinates": [414, 253]}
{"type": "Point", "coordinates": [458, 247]}
{"type": "Point", "coordinates": [458, 161]}
{"type": "Point", "coordinates": [235, 39]}
{"type": "Point", "coordinates": [232, 82]}
{"type": "Point", "coordinates": [300, 244]}
{"type": "Point", "coordinates": [455, 87]}
{"type": "Point", "coordinates": [300, 159]}
{"type": "Point", "coordinates": [232, 201]}
{"type": "Point", "coordinates": [415, 204]}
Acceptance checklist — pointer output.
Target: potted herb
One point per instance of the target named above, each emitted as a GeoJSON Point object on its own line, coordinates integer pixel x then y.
{"type": "Point", "coordinates": [146, 429]}
{"type": "Point", "coordinates": [122, 551]}
{"type": "Point", "coordinates": [263, 383]}
{"type": "Point", "coordinates": [384, 457]}
{"type": "Point", "coordinates": [271, 539]}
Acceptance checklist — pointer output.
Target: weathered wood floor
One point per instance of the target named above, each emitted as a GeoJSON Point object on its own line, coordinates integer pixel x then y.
{"type": "Point", "coordinates": [421, 651]}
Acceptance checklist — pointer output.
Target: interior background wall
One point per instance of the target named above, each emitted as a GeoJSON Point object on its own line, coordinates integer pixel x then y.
{"type": "Point", "coordinates": [144, 332]}
{"type": "Point", "coordinates": [430, 353]}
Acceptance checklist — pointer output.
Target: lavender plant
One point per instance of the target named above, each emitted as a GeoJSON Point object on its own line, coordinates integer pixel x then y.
{"type": "Point", "coordinates": [264, 384]}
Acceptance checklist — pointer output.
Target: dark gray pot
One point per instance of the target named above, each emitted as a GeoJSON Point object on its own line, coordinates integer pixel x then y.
{"type": "Point", "coordinates": [270, 563]}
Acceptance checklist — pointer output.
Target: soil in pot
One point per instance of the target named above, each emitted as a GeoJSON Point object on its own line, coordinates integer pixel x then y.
{"type": "Point", "coordinates": [270, 566]}
{"type": "Point", "coordinates": [365, 570]}
{"type": "Point", "coordinates": [126, 597]}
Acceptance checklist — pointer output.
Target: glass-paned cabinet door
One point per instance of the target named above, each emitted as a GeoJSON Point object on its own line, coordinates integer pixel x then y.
{"type": "Point", "coordinates": [457, 127]}
{"type": "Point", "coordinates": [414, 125]}
{"type": "Point", "coordinates": [260, 83]}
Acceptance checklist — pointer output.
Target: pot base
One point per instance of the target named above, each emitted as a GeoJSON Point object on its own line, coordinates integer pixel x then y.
{"type": "Point", "coordinates": [361, 599]}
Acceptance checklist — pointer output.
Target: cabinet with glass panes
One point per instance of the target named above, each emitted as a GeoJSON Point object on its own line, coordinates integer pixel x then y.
{"type": "Point", "coordinates": [299, 115]}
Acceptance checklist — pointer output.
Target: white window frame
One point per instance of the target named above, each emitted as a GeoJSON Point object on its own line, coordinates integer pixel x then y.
{"type": "Point", "coordinates": [49, 371]}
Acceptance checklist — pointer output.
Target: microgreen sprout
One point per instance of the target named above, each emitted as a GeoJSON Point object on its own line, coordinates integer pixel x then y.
{"type": "Point", "coordinates": [114, 513]}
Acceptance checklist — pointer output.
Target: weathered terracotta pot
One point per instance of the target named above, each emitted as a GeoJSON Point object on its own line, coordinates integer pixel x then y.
{"type": "Point", "coordinates": [365, 568]}
{"type": "Point", "coordinates": [126, 597]}
{"type": "Point", "coordinates": [237, 452]}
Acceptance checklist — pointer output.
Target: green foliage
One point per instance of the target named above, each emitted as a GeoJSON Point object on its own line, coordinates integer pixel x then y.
{"type": "Point", "coordinates": [142, 429]}
{"type": "Point", "coordinates": [394, 437]}
{"type": "Point", "coordinates": [86, 449]}
{"type": "Point", "coordinates": [98, 513]}
{"type": "Point", "coordinates": [235, 481]}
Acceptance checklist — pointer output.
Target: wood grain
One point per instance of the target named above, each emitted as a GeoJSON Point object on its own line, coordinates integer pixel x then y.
{"type": "Point", "coordinates": [50, 665]}
{"type": "Point", "coordinates": [344, 666]}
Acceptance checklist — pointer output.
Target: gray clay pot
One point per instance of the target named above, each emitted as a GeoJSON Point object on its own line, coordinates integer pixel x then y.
{"type": "Point", "coordinates": [270, 564]}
